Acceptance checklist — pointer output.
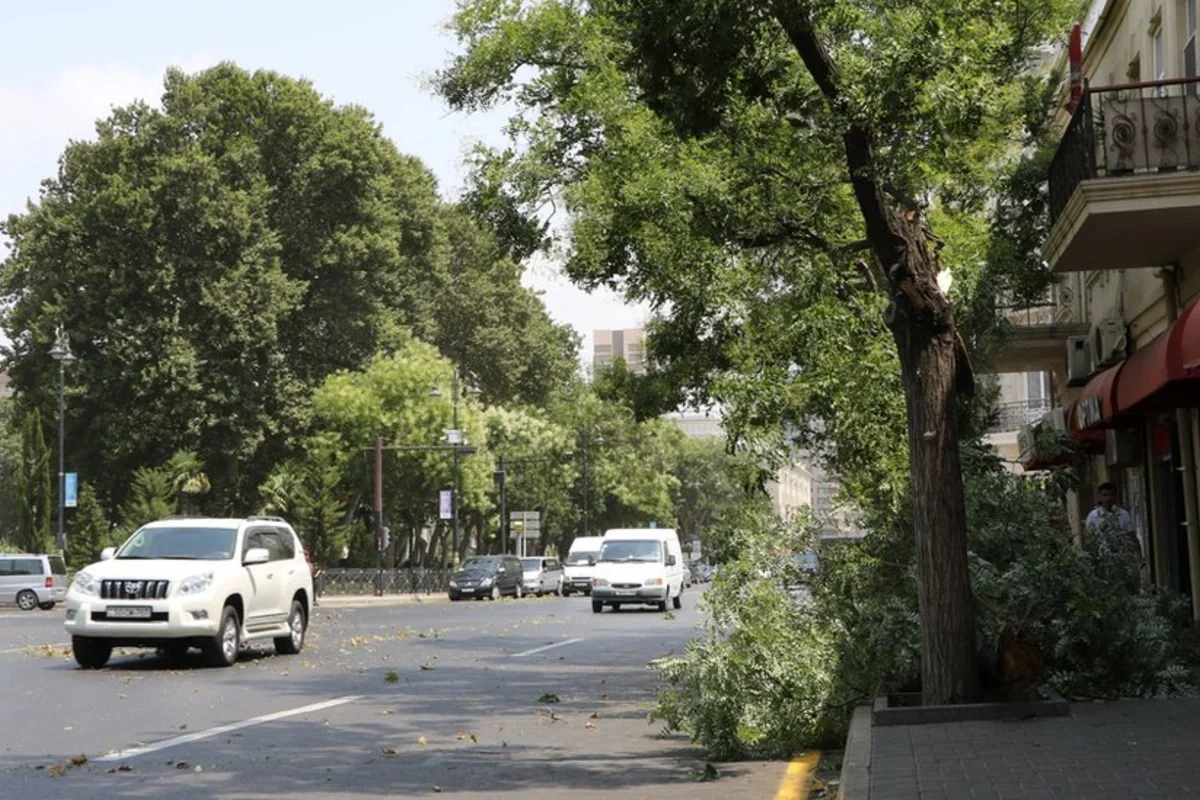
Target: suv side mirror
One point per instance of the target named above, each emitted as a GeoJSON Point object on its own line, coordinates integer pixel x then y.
{"type": "Point", "coordinates": [670, 561]}
{"type": "Point", "coordinates": [256, 555]}
{"type": "Point", "coordinates": [107, 553]}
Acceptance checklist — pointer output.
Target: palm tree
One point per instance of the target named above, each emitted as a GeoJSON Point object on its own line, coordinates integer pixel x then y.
{"type": "Point", "coordinates": [188, 480]}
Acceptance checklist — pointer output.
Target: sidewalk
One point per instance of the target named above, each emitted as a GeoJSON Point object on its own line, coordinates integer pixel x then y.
{"type": "Point", "coordinates": [1122, 749]}
{"type": "Point", "coordinates": [365, 600]}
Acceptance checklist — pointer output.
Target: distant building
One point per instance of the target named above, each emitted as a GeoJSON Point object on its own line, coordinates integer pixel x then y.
{"type": "Point", "coordinates": [837, 519]}
{"type": "Point", "coordinates": [1025, 397]}
{"type": "Point", "coordinates": [791, 490]}
{"type": "Point", "coordinates": [699, 425]}
{"type": "Point", "coordinates": [628, 344]}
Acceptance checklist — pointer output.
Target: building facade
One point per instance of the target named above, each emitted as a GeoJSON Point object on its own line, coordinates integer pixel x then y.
{"type": "Point", "coordinates": [628, 344]}
{"type": "Point", "coordinates": [1120, 338]}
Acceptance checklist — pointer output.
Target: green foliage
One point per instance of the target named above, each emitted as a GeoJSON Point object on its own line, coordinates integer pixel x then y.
{"type": "Point", "coordinates": [312, 497]}
{"type": "Point", "coordinates": [89, 531]}
{"type": "Point", "coordinates": [151, 497]}
{"type": "Point", "coordinates": [36, 499]}
{"type": "Point", "coordinates": [10, 469]}
{"type": "Point", "coordinates": [773, 676]}
{"type": "Point", "coordinates": [239, 246]}
{"type": "Point", "coordinates": [188, 480]}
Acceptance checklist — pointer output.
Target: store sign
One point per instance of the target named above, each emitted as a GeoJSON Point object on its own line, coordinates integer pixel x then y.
{"type": "Point", "coordinates": [1087, 412]}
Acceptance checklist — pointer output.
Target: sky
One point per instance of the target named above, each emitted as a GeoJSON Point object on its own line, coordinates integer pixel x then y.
{"type": "Point", "coordinates": [65, 64]}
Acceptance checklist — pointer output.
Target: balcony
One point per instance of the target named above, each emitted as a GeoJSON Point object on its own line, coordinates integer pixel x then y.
{"type": "Point", "coordinates": [1125, 182]}
{"type": "Point", "coordinates": [1038, 332]}
{"type": "Point", "coordinates": [1016, 415]}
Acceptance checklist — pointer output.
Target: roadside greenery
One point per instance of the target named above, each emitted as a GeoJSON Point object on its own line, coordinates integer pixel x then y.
{"type": "Point", "coordinates": [772, 676]}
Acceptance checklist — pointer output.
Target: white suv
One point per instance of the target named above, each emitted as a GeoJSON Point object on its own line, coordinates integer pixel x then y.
{"type": "Point", "coordinates": [189, 582]}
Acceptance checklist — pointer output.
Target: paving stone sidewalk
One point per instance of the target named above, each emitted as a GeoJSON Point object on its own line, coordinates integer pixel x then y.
{"type": "Point", "coordinates": [1124, 749]}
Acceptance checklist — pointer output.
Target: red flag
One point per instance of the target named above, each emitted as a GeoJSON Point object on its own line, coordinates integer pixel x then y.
{"type": "Point", "coordinates": [1075, 55]}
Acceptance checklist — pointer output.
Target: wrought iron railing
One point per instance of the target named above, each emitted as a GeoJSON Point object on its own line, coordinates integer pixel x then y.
{"type": "Point", "coordinates": [1131, 129]}
{"type": "Point", "coordinates": [395, 581]}
{"type": "Point", "coordinates": [1017, 414]}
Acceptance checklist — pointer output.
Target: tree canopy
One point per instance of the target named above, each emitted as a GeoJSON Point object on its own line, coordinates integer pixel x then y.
{"type": "Point", "coordinates": [214, 260]}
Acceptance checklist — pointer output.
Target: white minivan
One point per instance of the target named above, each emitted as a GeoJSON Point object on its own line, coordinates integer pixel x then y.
{"type": "Point", "coordinates": [638, 566]}
{"type": "Point", "coordinates": [580, 564]}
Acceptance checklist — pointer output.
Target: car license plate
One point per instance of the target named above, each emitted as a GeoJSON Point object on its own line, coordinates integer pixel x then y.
{"type": "Point", "coordinates": [625, 593]}
{"type": "Point", "coordinates": [467, 590]}
{"type": "Point", "coordinates": [129, 612]}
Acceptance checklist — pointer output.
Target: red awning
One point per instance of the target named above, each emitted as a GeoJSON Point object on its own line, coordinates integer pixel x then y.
{"type": "Point", "coordinates": [1186, 338]}
{"type": "Point", "coordinates": [1155, 377]}
{"type": "Point", "coordinates": [1097, 404]}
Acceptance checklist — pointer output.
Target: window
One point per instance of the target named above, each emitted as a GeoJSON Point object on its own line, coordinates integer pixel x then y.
{"type": "Point", "coordinates": [274, 547]}
{"type": "Point", "coordinates": [1159, 54]}
{"type": "Point", "coordinates": [287, 545]}
{"type": "Point", "coordinates": [1037, 387]}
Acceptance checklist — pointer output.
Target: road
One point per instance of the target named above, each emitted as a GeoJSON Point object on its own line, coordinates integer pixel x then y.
{"type": "Point", "coordinates": [413, 700]}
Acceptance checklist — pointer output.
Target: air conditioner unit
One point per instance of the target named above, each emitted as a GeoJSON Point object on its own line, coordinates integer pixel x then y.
{"type": "Point", "coordinates": [1055, 420]}
{"type": "Point", "coordinates": [1079, 360]}
{"type": "Point", "coordinates": [1121, 447]}
{"type": "Point", "coordinates": [1027, 442]}
{"type": "Point", "coordinates": [1109, 342]}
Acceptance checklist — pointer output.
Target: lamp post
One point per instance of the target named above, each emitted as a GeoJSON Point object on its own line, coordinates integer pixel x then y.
{"type": "Point", "coordinates": [456, 439]}
{"type": "Point", "coordinates": [586, 449]}
{"type": "Point", "coordinates": [61, 352]}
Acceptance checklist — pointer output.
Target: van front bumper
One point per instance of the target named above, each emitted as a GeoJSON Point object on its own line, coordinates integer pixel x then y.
{"type": "Point", "coordinates": [645, 594]}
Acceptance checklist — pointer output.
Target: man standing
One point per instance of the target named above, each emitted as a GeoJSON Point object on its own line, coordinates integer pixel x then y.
{"type": "Point", "coordinates": [1108, 516]}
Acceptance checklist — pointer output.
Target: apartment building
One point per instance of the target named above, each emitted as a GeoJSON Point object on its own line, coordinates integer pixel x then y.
{"type": "Point", "coordinates": [628, 344]}
{"type": "Point", "coordinates": [1120, 336]}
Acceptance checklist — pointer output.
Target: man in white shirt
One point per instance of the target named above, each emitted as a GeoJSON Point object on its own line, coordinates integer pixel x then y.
{"type": "Point", "coordinates": [1107, 511]}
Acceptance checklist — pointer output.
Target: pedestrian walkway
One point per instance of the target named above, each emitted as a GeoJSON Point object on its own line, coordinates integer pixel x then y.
{"type": "Point", "coordinates": [1122, 749]}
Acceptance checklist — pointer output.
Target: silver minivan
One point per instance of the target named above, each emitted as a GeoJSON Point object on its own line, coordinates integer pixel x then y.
{"type": "Point", "coordinates": [542, 575]}
{"type": "Point", "coordinates": [32, 581]}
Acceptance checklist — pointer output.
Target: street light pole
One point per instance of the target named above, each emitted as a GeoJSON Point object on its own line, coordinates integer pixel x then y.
{"type": "Point", "coordinates": [454, 490]}
{"type": "Point", "coordinates": [61, 352]}
{"type": "Point", "coordinates": [502, 481]}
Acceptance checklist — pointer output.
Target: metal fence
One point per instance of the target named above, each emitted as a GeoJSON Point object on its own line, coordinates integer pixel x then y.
{"type": "Point", "coordinates": [1014, 416]}
{"type": "Point", "coordinates": [395, 581]}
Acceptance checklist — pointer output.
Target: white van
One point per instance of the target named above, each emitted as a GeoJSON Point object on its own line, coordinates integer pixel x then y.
{"type": "Point", "coordinates": [641, 566]}
{"type": "Point", "coordinates": [579, 565]}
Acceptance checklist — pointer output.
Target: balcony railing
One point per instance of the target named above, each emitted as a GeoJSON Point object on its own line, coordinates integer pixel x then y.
{"type": "Point", "coordinates": [1131, 129]}
{"type": "Point", "coordinates": [1016, 415]}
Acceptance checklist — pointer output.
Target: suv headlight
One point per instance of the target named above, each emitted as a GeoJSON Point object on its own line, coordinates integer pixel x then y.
{"type": "Point", "coordinates": [195, 584]}
{"type": "Point", "coordinates": [453, 584]}
{"type": "Point", "coordinates": [486, 582]}
{"type": "Point", "coordinates": [85, 583]}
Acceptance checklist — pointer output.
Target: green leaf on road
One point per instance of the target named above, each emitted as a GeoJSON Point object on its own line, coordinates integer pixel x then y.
{"type": "Point", "coordinates": [549, 698]}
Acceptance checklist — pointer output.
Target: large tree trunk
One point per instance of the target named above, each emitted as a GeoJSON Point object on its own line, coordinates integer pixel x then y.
{"type": "Point", "coordinates": [928, 367]}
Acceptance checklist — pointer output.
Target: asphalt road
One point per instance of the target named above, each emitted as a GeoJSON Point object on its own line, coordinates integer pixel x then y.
{"type": "Point", "coordinates": [413, 700]}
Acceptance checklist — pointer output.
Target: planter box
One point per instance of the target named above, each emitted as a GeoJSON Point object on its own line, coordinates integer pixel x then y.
{"type": "Point", "coordinates": [904, 708]}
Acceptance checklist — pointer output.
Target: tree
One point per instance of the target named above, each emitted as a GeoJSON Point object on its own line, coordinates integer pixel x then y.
{"type": "Point", "coordinates": [10, 469]}
{"type": "Point", "coordinates": [150, 499]}
{"type": "Point", "coordinates": [715, 154]}
{"type": "Point", "coordinates": [188, 481]}
{"type": "Point", "coordinates": [90, 531]}
{"type": "Point", "coordinates": [711, 485]}
{"type": "Point", "coordinates": [36, 498]}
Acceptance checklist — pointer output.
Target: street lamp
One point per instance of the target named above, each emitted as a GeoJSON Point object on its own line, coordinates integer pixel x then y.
{"type": "Point", "coordinates": [586, 449]}
{"type": "Point", "coordinates": [455, 439]}
{"type": "Point", "coordinates": [61, 352]}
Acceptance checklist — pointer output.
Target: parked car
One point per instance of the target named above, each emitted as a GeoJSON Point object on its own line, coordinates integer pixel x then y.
{"type": "Point", "coordinates": [32, 581]}
{"type": "Point", "coordinates": [542, 575]}
{"type": "Point", "coordinates": [488, 576]}
{"type": "Point", "coordinates": [638, 566]}
{"type": "Point", "coordinates": [581, 562]}
{"type": "Point", "coordinates": [197, 582]}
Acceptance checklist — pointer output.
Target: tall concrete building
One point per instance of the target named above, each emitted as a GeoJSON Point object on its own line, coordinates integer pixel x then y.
{"type": "Point", "coordinates": [628, 344]}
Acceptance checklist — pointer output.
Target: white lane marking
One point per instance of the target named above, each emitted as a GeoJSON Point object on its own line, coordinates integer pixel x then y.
{"type": "Point", "coordinates": [547, 647]}
{"type": "Point", "coordinates": [199, 735]}
{"type": "Point", "coordinates": [17, 649]}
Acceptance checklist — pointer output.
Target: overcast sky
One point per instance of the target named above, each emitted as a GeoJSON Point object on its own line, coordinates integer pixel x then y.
{"type": "Point", "coordinates": [65, 64]}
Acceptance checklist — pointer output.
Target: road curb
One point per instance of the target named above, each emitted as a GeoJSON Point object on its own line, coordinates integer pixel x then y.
{"type": "Point", "coordinates": [855, 783]}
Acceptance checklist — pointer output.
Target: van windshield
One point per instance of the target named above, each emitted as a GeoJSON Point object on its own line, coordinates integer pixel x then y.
{"type": "Point", "coordinates": [580, 557]}
{"type": "Point", "coordinates": [648, 550]}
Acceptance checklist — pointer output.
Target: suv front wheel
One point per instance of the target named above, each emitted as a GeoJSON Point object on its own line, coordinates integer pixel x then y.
{"type": "Point", "coordinates": [297, 624]}
{"type": "Point", "coordinates": [222, 650]}
{"type": "Point", "coordinates": [90, 653]}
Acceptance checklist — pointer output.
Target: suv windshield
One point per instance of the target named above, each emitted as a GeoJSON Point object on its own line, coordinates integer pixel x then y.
{"type": "Point", "coordinates": [631, 550]}
{"type": "Point", "coordinates": [199, 544]}
{"type": "Point", "coordinates": [481, 564]}
{"type": "Point", "coordinates": [580, 557]}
